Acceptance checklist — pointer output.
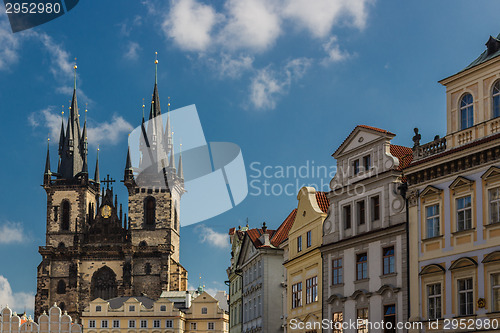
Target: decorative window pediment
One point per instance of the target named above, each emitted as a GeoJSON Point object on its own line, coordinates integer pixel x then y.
{"type": "Point", "coordinates": [432, 269]}
{"type": "Point", "coordinates": [491, 173]}
{"type": "Point", "coordinates": [430, 190]}
{"type": "Point", "coordinates": [359, 293]}
{"type": "Point", "coordinates": [491, 257]}
{"type": "Point", "coordinates": [461, 181]}
{"type": "Point", "coordinates": [463, 263]}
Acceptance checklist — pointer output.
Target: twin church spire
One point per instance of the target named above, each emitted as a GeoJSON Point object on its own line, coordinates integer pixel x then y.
{"type": "Point", "coordinates": [73, 143]}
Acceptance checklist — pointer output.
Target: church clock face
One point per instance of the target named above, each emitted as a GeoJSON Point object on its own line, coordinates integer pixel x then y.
{"type": "Point", "coordinates": [106, 211]}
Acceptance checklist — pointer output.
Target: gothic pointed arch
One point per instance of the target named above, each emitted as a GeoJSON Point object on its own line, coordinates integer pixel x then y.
{"type": "Point", "coordinates": [65, 215]}
{"type": "Point", "coordinates": [104, 284]}
{"type": "Point", "coordinates": [149, 211]}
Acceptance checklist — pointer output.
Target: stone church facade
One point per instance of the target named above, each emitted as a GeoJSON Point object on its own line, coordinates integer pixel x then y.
{"type": "Point", "coordinates": [92, 249]}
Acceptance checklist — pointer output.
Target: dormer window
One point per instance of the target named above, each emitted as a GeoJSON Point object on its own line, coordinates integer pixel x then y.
{"type": "Point", "coordinates": [496, 99]}
{"type": "Point", "coordinates": [355, 167]}
{"type": "Point", "coordinates": [466, 111]}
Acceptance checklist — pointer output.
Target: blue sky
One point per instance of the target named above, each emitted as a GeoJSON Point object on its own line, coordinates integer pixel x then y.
{"type": "Point", "coordinates": [285, 80]}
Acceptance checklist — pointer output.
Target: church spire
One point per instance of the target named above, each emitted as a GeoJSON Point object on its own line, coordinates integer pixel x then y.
{"type": "Point", "coordinates": [61, 135]}
{"type": "Point", "coordinates": [96, 174]}
{"type": "Point", "coordinates": [129, 172]}
{"type": "Point", "coordinates": [84, 143]}
{"type": "Point", "coordinates": [155, 110]}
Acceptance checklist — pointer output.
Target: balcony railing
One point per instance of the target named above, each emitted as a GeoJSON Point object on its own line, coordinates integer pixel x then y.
{"type": "Point", "coordinates": [430, 148]}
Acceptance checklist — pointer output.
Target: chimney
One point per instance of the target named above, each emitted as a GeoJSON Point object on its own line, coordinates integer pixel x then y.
{"type": "Point", "coordinates": [264, 238]}
{"type": "Point", "coordinates": [188, 299]}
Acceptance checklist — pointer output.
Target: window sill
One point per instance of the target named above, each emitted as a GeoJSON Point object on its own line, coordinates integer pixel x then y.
{"type": "Point", "coordinates": [388, 275]}
{"type": "Point", "coordinates": [432, 238]}
{"type": "Point", "coordinates": [466, 231]}
{"type": "Point", "coordinates": [362, 280]}
{"type": "Point", "coordinates": [465, 316]}
{"type": "Point", "coordinates": [492, 225]}
{"type": "Point", "coordinates": [337, 285]}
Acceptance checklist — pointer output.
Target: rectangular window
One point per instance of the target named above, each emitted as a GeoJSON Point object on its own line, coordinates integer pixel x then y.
{"type": "Point", "coordinates": [204, 310]}
{"type": "Point", "coordinates": [362, 320]}
{"type": "Point", "coordinates": [116, 324]}
{"type": "Point", "coordinates": [337, 274]}
{"type": "Point", "coordinates": [91, 323]}
{"type": "Point", "coordinates": [465, 297]}
{"type": "Point", "coordinates": [131, 323]}
{"type": "Point", "coordinates": [169, 324]}
{"type": "Point", "coordinates": [355, 167]}
{"type": "Point", "coordinates": [389, 260]}
{"type": "Point", "coordinates": [464, 213]}
{"type": "Point", "coordinates": [434, 301]}
{"type": "Point", "coordinates": [375, 208]}
{"type": "Point", "coordinates": [309, 239]}
{"type": "Point", "coordinates": [432, 221]}
{"type": "Point", "coordinates": [299, 243]}
{"type": "Point", "coordinates": [367, 162]}
{"type": "Point", "coordinates": [211, 326]}
{"type": "Point", "coordinates": [338, 320]}
{"type": "Point", "coordinates": [361, 266]}
{"type": "Point", "coordinates": [297, 295]}
{"type": "Point", "coordinates": [390, 317]}
{"type": "Point", "coordinates": [361, 212]}
{"type": "Point", "coordinates": [495, 292]}
{"type": "Point", "coordinates": [312, 290]}
{"type": "Point", "coordinates": [193, 326]}
{"type": "Point", "coordinates": [156, 323]}
{"type": "Point", "coordinates": [104, 324]}
{"type": "Point", "coordinates": [144, 324]}
{"type": "Point", "coordinates": [494, 195]}
{"type": "Point", "coordinates": [347, 216]}
{"type": "Point", "coordinates": [131, 308]}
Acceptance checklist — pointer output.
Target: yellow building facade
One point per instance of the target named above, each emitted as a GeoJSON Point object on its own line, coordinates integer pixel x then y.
{"type": "Point", "coordinates": [304, 264]}
{"type": "Point", "coordinates": [454, 206]}
{"type": "Point", "coordinates": [142, 315]}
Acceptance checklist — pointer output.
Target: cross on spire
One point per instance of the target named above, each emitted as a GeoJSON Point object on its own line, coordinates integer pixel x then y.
{"type": "Point", "coordinates": [107, 180]}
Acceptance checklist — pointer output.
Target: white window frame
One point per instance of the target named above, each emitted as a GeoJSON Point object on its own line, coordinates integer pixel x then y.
{"type": "Point", "coordinates": [211, 326]}
{"type": "Point", "coordinates": [104, 323]}
{"type": "Point", "coordinates": [116, 323]}
{"type": "Point", "coordinates": [131, 323]}
{"type": "Point", "coordinates": [435, 220]}
{"type": "Point", "coordinates": [494, 204]}
{"type": "Point", "coordinates": [464, 222]}
{"type": "Point", "coordinates": [434, 299]}
{"type": "Point", "coordinates": [91, 323]}
{"type": "Point", "coordinates": [468, 294]}
{"type": "Point", "coordinates": [169, 323]}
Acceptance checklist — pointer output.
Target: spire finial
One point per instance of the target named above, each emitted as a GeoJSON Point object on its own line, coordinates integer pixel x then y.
{"type": "Point", "coordinates": [168, 105]}
{"type": "Point", "coordinates": [75, 67]}
{"type": "Point", "coordinates": [156, 67]}
{"type": "Point", "coordinates": [86, 113]}
{"type": "Point", "coordinates": [143, 109]}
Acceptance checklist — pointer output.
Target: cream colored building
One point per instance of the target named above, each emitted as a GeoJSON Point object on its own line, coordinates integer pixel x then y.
{"type": "Point", "coordinates": [304, 262]}
{"type": "Point", "coordinates": [195, 312]}
{"type": "Point", "coordinates": [52, 322]}
{"type": "Point", "coordinates": [454, 204]}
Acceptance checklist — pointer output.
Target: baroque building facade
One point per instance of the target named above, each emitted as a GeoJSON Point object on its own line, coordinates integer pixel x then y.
{"type": "Point", "coordinates": [92, 249]}
{"type": "Point", "coordinates": [364, 236]}
{"type": "Point", "coordinates": [454, 207]}
{"type": "Point", "coordinates": [303, 265]}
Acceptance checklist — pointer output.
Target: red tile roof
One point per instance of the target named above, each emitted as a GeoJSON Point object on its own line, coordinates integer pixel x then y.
{"type": "Point", "coordinates": [231, 231]}
{"type": "Point", "coordinates": [365, 127]}
{"type": "Point", "coordinates": [322, 200]}
{"type": "Point", "coordinates": [255, 234]}
{"type": "Point", "coordinates": [282, 232]}
{"type": "Point", "coordinates": [404, 155]}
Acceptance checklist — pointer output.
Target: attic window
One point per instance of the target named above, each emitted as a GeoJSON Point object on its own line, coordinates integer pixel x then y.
{"type": "Point", "coordinates": [493, 45]}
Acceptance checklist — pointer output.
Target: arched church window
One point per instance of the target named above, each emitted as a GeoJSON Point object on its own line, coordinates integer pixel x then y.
{"type": "Point", "coordinates": [175, 218]}
{"type": "Point", "coordinates": [103, 284]}
{"type": "Point", "coordinates": [61, 287]}
{"type": "Point", "coordinates": [147, 268]}
{"type": "Point", "coordinates": [65, 215]}
{"type": "Point", "coordinates": [496, 99]}
{"type": "Point", "coordinates": [466, 111]}
{"type": "Point", "coordinates": [149, 211]}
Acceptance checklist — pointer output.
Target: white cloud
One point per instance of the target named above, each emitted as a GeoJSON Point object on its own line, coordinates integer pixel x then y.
{"type": "Point", "coordinates": [10, 44]}
{"type": "Point", "coordinates": [12, 232]}
{"type": "Point", "coordinates": [253, 24]}
{"type": "Point", "coordinates": [212, 237]}
{"type": "Point", "coordinates": [132, 51]}
{"type": "Point", "coordinates": [268, 85]}
{"type": "Point", "coordinates": [333, 51]}
{"type": "Point", "coordinates": [228, 66]}
{"type": "Point", "coordinates": [109, 132]}
{"type": "Point", "coordinates": [17, 301]}
{"type": "Point", "coordinates": [61, 66]}
{"type": "Point", "coordinates": [189, 23]}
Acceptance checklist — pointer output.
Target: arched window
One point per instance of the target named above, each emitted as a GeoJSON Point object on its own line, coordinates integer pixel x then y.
{"type": "Point", "coordinates": [61, 287]}
{"type": "Point", "coordinates": [147, 268]}
{"type": "Point", "coordinates": [143, 244]}
{"type": "Point", "coordinates": [496, 99]}
{"type": "Point", "coordinates": [466, 111]}
{"type": "Point", "coordinates": [175, 218]}
{"type": "Point", "coordinates": [103, 284]}
{"type": "Point", "coordinates": [65, 215]}
{"type": "Point", "coordinates": [149, 211]}
{"type": "Point", "coordinates": [61, 246]}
